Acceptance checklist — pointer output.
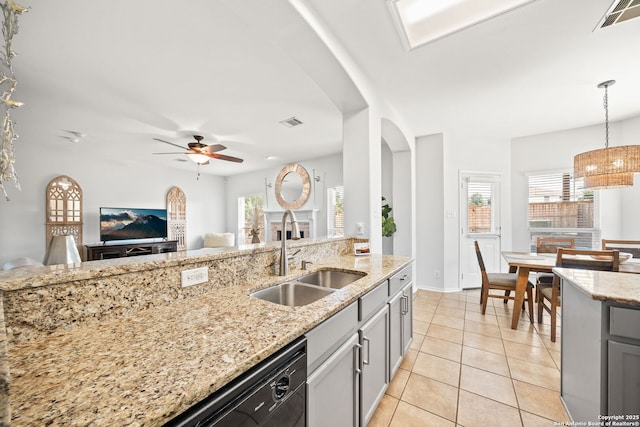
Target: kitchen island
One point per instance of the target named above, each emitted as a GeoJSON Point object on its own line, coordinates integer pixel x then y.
{"type": "Point", "coordinates": [120, 342]}
{"type": "Point", "coordinates": [600, 372]}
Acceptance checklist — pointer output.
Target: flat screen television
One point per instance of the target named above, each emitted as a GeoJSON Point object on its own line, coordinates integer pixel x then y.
{"type": "Point", "coordinates": [132, 224]}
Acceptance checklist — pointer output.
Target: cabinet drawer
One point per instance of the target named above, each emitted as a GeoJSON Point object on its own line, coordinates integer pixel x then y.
{"type": "Point", "coordinates": [370, 303]}
{"type": "Point", "coordinates": [399, 280]}
{"type": "Point", "coordinates": [624, 322]}
{"type": "Point", "coordinates": [325, 338]}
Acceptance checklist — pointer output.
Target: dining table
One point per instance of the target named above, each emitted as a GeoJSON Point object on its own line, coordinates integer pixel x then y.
{"type": "Point", "coordinates": [524, 263]}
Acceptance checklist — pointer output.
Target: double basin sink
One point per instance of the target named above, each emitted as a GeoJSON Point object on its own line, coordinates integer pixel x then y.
{"type": "Point", "coordinates": [309, 288]}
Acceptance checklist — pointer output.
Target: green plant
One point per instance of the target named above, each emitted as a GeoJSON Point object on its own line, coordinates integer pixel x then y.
{"type": "Point", "coordinates": [388, 224]}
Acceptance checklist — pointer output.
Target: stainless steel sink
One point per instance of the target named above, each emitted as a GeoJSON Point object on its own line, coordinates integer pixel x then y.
{"type": "Point", "coordinates": [292, 294]}
{"type": "Point", "coordinates": [335, 279]}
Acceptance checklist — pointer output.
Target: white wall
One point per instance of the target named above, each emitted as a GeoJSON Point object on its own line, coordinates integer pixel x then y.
{"type": "Point", "coordinates": [619, 208]}
{"type": "Point", "coordinates": [387, 177]}
{"type": "Point", "coordinates": [361, 173]}
{"type": "Point", "coordinates": [429, 211]}
{"type": "Point", "coordinates": [474, 154]}
{"type": "Point", "coordinates": [329, 169]}
{"type": "Point", "coordinates": [630, 196]}
{"type": "Point", "coordinates": [22, 229]}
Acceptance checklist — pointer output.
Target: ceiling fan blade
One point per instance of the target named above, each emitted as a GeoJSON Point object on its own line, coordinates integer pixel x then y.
{"type": "Point", "coordinates": [170, 143]}
{"type": "Point", "coordinates": [213, 148]}
{"type": "Point", "coordinates": [227, 158]}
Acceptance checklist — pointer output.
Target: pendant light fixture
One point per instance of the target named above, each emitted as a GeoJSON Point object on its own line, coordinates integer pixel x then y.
{"type": "Point", "coordinates": [608, 167]}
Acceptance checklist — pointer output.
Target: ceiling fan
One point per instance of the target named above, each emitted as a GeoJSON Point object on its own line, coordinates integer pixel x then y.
{"type": "Point", "coordinates": [201, 153]}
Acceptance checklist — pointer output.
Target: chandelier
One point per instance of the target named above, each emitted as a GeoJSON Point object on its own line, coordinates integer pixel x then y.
{"type": "Point", "coordinates": [608, 167]}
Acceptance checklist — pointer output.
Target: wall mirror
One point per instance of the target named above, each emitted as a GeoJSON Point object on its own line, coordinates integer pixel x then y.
{"type": "Point", "coordinates": [293, 186]}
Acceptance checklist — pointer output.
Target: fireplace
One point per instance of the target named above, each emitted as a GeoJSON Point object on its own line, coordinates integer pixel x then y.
{"type": "Point", "coordinates": [306, 222]}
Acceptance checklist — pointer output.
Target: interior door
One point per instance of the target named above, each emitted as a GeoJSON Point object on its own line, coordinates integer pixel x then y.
{"type": "Point", "coordinates": [479, 220]}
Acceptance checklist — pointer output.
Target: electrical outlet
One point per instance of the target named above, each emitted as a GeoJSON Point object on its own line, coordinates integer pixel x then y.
{"type": "Point", "coordinates": [436, 274]}
{"type": "Point", "coordinates": [195, 276]}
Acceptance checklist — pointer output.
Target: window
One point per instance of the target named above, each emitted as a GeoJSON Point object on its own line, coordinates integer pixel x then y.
{"type": "Point", "coordinates": [251, 208]}
{"type": "Point", "coordinates": [560, 206]}
{"type": "Point", "coordinates": [335, 211]}
{"type": "Point", "coordinates": [481, 216]}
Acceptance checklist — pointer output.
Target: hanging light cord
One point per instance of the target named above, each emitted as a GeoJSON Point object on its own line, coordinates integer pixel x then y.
{"type": "Point", "coordinates": [606, 116]}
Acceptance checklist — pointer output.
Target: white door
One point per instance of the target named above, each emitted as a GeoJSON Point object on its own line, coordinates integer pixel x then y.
{"type": "Point", "coordinates": [479, 220]}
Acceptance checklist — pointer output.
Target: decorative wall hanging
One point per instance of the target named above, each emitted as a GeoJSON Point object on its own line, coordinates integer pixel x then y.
{"type": "Point", "coordinates": [8, 85]}
{"type": "Point", "coordinates": [177, 217]}
{"type": "Point", "coordinates": [293, 186]}
{"type": "Point", "coordinates": [63, 201]}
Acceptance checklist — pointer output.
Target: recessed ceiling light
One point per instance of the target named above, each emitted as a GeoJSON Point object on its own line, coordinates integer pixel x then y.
{"type": "Point", "coordinates": [423, 21]}
{"type": "Point", "coordinates": [271, 157]}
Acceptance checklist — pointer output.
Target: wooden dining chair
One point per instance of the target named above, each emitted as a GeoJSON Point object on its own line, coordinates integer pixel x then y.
{"type": "Point", "coordinates": [629, 246]}
{"type": "Point", "coordinates": [550, 245]}
{"type": "Point", "coordinates": [608, 260]}
{"type": "Point", "coordinates": [500, 281]}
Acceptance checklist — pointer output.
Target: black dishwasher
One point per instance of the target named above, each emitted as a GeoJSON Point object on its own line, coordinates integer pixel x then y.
{"type": "Point", "coordinates": [270, 394]}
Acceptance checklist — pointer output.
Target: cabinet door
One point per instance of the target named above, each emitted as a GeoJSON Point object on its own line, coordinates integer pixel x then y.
{"type": "Point", "coordinates": [624, 379]}
{"type": "Point", "coordinates": [396, 346]}
{"type": "Point", "coordinates": [406, 308]}
{"type": "Point", "coordinates": [333, 388]}
{"type": "Point", "coordinates": [374, 339]}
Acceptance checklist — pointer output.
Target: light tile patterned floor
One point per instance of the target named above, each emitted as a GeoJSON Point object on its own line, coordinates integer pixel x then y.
{"type": "Point", "coordinates": [466, 369]}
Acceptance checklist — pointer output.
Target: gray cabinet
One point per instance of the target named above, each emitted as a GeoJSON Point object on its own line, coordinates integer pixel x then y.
{"type": "Point", "coordinates": [396, 348]}
{"type": "Point", "coordinates": [605, 339]}
{"type": "Point", "coordinates": [374, 341]}
{"type": "Point", "coordinates": [624, 378]}
{"type": "Point", "coordinates": [333, 388]}
{"type": "Point", "coordinates": [348, 355]}
{"type": "Point", "coordinates": [400, 319]}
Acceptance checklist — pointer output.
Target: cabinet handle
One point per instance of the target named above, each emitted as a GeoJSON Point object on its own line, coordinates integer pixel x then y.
{"type": "Point", "coordinates": [357, 361]}
{"type": "Point", "coordinates": [405, 277]}
{"type": "Point", "coordinates": [366, 340]}
{"type": "Point", "coordinates": [404, 307]}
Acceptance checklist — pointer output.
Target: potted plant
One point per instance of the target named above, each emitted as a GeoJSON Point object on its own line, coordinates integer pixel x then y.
{"type": "Point", "coordinates": [388, 224]}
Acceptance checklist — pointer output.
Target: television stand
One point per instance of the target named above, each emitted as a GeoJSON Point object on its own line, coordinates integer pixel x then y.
{"type": "Point", "coordinates": [103, 251]}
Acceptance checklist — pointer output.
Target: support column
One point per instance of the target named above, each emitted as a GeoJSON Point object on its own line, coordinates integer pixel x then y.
{"type": "Point", "coordinates": [361, 175]}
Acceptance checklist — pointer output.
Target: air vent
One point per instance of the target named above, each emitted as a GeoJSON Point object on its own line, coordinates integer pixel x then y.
{"type": "Point", "coordinates": [620, 11]}
{"type": "Point", "coordinates": [291, 122]}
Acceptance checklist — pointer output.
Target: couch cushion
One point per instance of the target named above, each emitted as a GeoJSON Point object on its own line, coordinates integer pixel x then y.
{"type": "Point", "coordinates": [216, 240]}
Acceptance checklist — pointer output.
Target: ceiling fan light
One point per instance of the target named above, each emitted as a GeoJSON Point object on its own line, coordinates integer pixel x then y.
{"type": "Point", "coordinates": [198, 158]}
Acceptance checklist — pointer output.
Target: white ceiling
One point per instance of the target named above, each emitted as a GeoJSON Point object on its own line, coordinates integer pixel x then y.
{"type": "Point", "coordinates": [127, 72]}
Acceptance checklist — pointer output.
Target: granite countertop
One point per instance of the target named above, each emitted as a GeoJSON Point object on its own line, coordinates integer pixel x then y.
{"type": "Point", "coordinates": [143, 369]}
{"type": "Point", "coordinates": [618, 288]}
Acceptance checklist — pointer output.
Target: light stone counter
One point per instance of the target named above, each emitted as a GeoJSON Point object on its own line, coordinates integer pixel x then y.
{"type": "Point", "coordinates": [616, 288]}
{"type": "Point", "coordinates": [145, 367]}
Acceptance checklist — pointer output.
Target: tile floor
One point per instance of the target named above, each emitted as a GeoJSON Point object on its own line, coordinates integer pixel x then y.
{"type": "Point", "coordinates": [468, 369]}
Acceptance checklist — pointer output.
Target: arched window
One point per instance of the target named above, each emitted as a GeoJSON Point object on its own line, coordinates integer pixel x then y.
{"type": "Point", "coordinates": [64, 210]}
{"type": "Point", "coordinates": [177, 217]}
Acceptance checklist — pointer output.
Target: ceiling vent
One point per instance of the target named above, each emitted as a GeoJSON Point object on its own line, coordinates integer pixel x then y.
{"type": "Point", "coordinates": [293, 121]}
{"type": "Point", "coordinates": [620, 11]}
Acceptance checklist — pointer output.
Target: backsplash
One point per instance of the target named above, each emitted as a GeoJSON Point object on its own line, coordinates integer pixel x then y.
{"type": "Point", "coordinates": [36, 305]}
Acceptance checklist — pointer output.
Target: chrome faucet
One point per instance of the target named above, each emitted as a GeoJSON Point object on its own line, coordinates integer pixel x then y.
{"type": "Point", "coordinates": [295, 235]}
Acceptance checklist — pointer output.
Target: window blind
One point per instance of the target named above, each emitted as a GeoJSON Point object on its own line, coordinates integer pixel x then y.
{"type": "Point", "coordinates": [560, 206]}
